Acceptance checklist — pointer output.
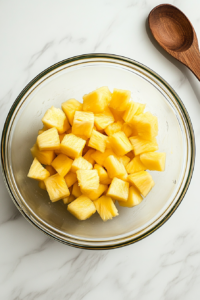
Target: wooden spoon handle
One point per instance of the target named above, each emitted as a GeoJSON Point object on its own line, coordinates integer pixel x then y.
{"type": "Point", "coordinates": [192, 61]}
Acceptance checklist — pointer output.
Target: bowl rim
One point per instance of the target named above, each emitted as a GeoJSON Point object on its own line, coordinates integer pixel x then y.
{"type": "Point", "coordinates": [117, 58]}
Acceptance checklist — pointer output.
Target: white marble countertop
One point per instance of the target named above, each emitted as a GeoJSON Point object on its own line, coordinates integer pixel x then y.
{"type": "Point", "coordinates": [165, 265]}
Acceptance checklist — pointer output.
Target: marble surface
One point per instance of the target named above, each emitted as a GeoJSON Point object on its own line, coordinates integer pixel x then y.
{"type": "Point", "coordinates": [165, 265]}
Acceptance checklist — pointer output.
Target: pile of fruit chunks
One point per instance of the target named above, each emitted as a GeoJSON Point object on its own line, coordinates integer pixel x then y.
{"type": "Point", "coordinates": [95, 153]}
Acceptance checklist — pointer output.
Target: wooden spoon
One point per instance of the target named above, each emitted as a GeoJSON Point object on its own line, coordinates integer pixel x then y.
{"type": "Point", "coordinates": [175, 34]}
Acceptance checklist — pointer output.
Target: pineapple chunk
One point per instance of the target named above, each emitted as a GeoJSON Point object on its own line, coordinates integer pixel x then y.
{"type": "Point", "coordinates": [88, 156]}
{"type": "Point", "coordinates": [117, 114]}
{"type": "Point", "coordinates": [102, 120]}
{"type": "Point", "coordinates": [101, 157]}
{"type": "Point", "coordinates": [130, 111]}
{"type": "Point", "coordinates": [51, 170]}
{"type": "Point", "coordinates": [82, 208]}
{"type": "Point", "coordinates": [55, 117]}
{"type": "Point", "coordinates": [93, 195]}
{"type": "Point", "coordinates": [81, 164]}
{"type": "Point", "coordinates": [37, 171]}
{"type": "Point", "coordinates": [42, 185]}
{"type": "Point", "coordinates": [114, 167]}
{"type": "Point", "coordinates": [44, 157]}
{"type": "Point", "coordinates": [42, 130]}
{"type": "Point", "coordinates": [106, 208]}
{"type": "Point", "coordinates": [127, 130]}
{"type": "Point", "coordinates": [76, 191]}
{"type": "Point", "coordinates": [154, 161]}
{"type": "Point", "coordinates": [97, 100]}
{"type": "Point", "coordinates": [118, 190]}
{"type": "Point", "coordinates": [72, 145]}
{"type": "Point", "coordinates": [70, 107]}
{"type": "Point", "coordinates": [140, 145]}
{"type": "Point", "coordinates": [83, 124]}
{"type": "Point", "coordinates": [140, 109]}
{"type": "Point", "coordinates": [68, 199]}
{"type": "Point", "coordinates": [88, 180]}
{"type": "Point", "coordinates": [120, 143]}
{"type": "Point", "coordinates": [135, 165]}
{"type": "Point", "coordinates": [143, 182]}
{"type": "Point", "coordinates": [120, 99]}
{"type": "Point", "coordinates": [48, 140]}
{"type": "Point", "coordinates": [103, 175]}
{"type": "Point", "coordinates": [146, 125]}
{"type": "Point", "coordinates": [134, 198]}
{"type": "Point", "coordinates": [98, 141]}
{"type": "Point", "coordinates": [124, 159]}
{"type": "Point", "coordinates": [56, 187]}
{"type": "Point", "coordinates": [70, 179]}
{"type": "Point", "coordinates": [113, 128]}
{"type": "Point", "coordinates": [62, 164]}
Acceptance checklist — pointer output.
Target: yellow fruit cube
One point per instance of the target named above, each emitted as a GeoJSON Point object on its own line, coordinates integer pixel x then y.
{"type": "Point", "coordinates": [146, 125]}
{"type": "Point", "coordinates": [120, 99]}
{"type": "Point", "coordinates": [100, 157]}
{"type": "Point", "coordinates": [93, 195]}
{"type": "Point", "coordinates": [42, 185]}
{"type": "Point", "coordinates": [44, 157]}
{"type": "Point", "coordinates": [142, 181]}
{"type": "Point", "coordinates": [97, 100]}
{"type": "Point", "coordinates": [83, 124]}
{"type": "Point", "coordinates": [68, 199]}
{"type": "Point", "coordinates": [120, 143]}
{"type": "Point", "coordinates": [102, 120]}
{"type": "Point", "coordinates": [81, 164]}
{"type": "Point", "coordinates": [48, 140]}
{"type": "Point", "coordinates": [141, 145]}
{"type": "Point", "coordinates": [56, 187]}
{"type": "Point", "coordinates": [154, 161]}
{"type": "Point", "coordinates": [82, 208]}
{"type": "Point", "coordinates": [130, 111]}
{"type": "Point", "coordinates": [118, 190]}
{"type": "Point", "coordinates": [114, 167]}
{"type": "Point", "coordinates": [62, 164]}
{"type": "Point", "coordinates": [103, 175]}
{"type": "Point", "coordinates": [134, 198]}
{"type": "Point", "coordinates": [43, 129]}
{"type": "Point", "coordinates": [127, 130]}
{"type": "Point", "coordinates": [106, 208]}
{"type": "Point", "coordinates": [55, 117]}
{"type": "Point", "coordinates": [72, 145]}
{"type": "Point", "coordinates": [113, 128]}
{"type": "Point", "coordinates": [88, 156]}
{"type": "Point", "coordinates": [98, 141]}
{"type": "Point", "coordinates": [117, 114]}
{"type": "Point", "coordinates": [124, 159]}
{"type": "Point", "coordinates": [88, 180]}
{"type": "Point", "coordinates": [37, 171]}
{"type": "Point", "coordinates": [76, 191]}
{"type": "Point", "coordinates": [70, 179]}
{"type": "Point", "coordinates": [135, 165]}
{"type": "Point", "coordinates": [70, 107]}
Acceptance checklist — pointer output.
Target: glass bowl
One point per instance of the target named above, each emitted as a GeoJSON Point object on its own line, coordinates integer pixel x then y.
{"type": "Point", "coordinates": [72, 78]}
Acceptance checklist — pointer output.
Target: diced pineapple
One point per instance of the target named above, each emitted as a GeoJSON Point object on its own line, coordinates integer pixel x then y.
{"type": "Point", "coordinates": [62, 164]}
{"type": "Point", "coordinates": [82, 208]}
{"type": "Point", "coordinates": [37, 171]}
{"type": "Point", "coordinates": [56, 187]}
{"type": "Point", "coordinates": [140, 109]}
{"type": "Point", "coordinates": [154, 161]}
{"type": "Point", "coordinates": [120, 143]}
{"type": "Point", "coordinates": [114, 167]}
{"type": "Point", "coordinates": [135, 165]}
{"type": "Point", "coordinates": [134, 198]}
{"type": "Point", "coordinates": [106, 208]}
{"type": "Point", "coordinates": [81, 164]}
{"type": "Point", "coordinates": [146, 125]}
{"type": "Point", "coordinates": [55, 117]}
{"type": "Point", "coordinates": [83, 124]}
{"type": "Point", "coordinates": [88, 180]}
{"type": "Point", "coordinates": [93, 195]}
{"type": "Point", "coordinates": [68, 199]}
{"type": "Point", "coordinates": [51, 170]}
{"type": "Point", "coordinates": [124, 159]}
{"type": "Point", "coordinates": [127, 130]}
{"type": "Point", "coordinates": [98, 141]}
{"type": "Point", "coordinates": [113, 128]}
{"type": "Point", "coordinates": [141, 145]}
{"type": "Point", "coordinates": [117, 114]}
{"type": "Point", "coordinates": [88, 156]}
{"type": "Point", "coordinates": [124, 177]}
{"type": "Point", "coordinates": [70, 107]}
{"type": "Point", "coordinates": [44, 157]}
{"type": "Point", "coordinates": [130, 111]}
{"type": "Point", "coordinates": [103, 175]}
{"type": "Point", "coordinates": [118, 190]}
{"type": "Point", "coordinates": [43, 129]}
{"type": "Point", "coordinates": [76, 191]}
{"type": "Point", "coordinates": [72, 145]}
{"type": "Point", "coordinates": [42, 185]}
{"type": "Point", "coordinates": [97, 100]}
{"type": "Point", "coordinates": [120, 99]}
{"type": "Point", "coordinates": [70, 179]}
{"type": "Point", "coordinates": [102, 120]}
{"type": "Point", "coordinates": [100, 157]}
{"type": "Point", "coordinates": [48, 140]}
{"type": "Point", "coordinates": [142, 181]}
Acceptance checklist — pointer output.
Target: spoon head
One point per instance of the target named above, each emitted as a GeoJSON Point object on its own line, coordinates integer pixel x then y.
{"type": "Point", "coordinates": [171, 28]}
